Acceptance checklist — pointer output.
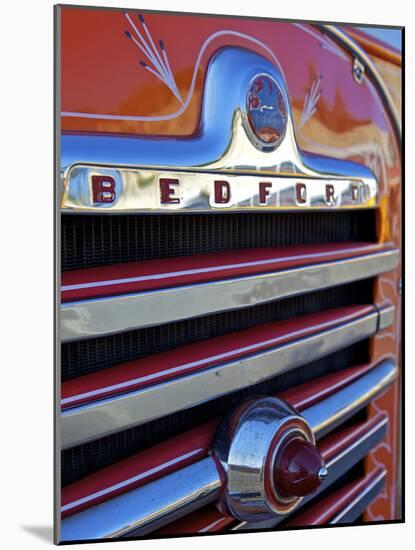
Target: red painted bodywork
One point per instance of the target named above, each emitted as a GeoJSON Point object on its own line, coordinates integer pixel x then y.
{"type": "Point", "coordinates": [101, 74]}
{"type": "Point", "coordinates": [171, 272]}
{"type": "Point", "coordinates": [113, 81]}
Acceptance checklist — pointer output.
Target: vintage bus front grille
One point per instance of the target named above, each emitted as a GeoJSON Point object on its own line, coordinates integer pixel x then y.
{"type": "Point", "coordinates": [94, 241]}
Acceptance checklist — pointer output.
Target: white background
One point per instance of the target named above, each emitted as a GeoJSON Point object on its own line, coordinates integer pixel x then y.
{"type": "Point", "coordinates": [26, 256]}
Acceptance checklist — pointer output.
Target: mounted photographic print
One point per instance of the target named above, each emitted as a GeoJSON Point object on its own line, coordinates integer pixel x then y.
{"type": "Point", "coordinates": [228, 198]}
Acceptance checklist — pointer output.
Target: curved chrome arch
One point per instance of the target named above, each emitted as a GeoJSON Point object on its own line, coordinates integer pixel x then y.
{"type": "Point", "coordinates": [221, 146]}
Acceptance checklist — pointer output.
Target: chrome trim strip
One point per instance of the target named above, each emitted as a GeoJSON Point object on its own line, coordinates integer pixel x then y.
{"type": "Point", "coordinates": [355, 452]}
{"type": "Point", "coordinates": [97, 317]}
{"type": "Point", "coordinates": [126, 482]}
{"type": "Point", "coordinates": [305, 257]}
{"type": "Point", "coordinates": [370, 68]}
{"type": "Point", "coordinates": [149, 507]}
{"type": "Point", "coordinates": [95, 420]}
{"type": "Point", "coordinates": [336, 467]}
{"type": "Point", "coordinates": [222, 147]}
{"type": "Point", "coordinates": [358, 505]}
{"type": "Point", "coordinates": [343, 404]}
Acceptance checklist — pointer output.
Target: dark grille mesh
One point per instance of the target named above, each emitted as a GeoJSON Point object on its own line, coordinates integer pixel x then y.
{"type": "Point", "coordinates": [84, 357]}
{"type": "Point", "coordinates": [89, 241]}
{"type": "Point", "coordinates": [90, 457]}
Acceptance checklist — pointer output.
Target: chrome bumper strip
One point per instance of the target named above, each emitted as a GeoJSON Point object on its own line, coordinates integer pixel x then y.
{"type": "Point", "coordinates": [98, 419]}
{"type": "Point", "coordinates": [101, 316]}
{"type": "Point", "coordinates": [147, 508]}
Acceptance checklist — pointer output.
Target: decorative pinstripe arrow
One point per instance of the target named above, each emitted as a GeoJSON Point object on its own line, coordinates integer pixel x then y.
{"type": "Point", "coordinates": [310, 102]}
{"type": "Point", "coordinates": [158, 59]}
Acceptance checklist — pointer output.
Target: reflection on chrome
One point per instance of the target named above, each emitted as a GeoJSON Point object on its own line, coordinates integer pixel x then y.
{"type": "Point", "coordinates": [151, 506]}
{"type": "Point", "coordinates": [100, 316]}
{"type": "Point", "coordinates": [103, 417]}
{"type": "Point", "coordinates": [223, 167]}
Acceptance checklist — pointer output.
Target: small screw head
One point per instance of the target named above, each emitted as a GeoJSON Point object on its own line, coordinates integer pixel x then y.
{"type": "Point", "coordinates": [322, 473]}
{"type": "Point", "coordinates": [358, 71]}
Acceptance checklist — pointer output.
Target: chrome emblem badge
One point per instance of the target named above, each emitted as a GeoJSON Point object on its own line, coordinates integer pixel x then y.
{"type": "Point", "coordinates": [270, 460]}
{"type": "Point", "coordinates": [266, 110]}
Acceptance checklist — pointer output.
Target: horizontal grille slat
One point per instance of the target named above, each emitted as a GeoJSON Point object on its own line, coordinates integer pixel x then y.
{"type": "Point", "coordinates": [92, 318]}
{"type": "Point", "coordinates": [87, 356]}
{"type": "Point", "coordinates": [90, 241]}
{"type": "Point", "coordinates": [77, 462]}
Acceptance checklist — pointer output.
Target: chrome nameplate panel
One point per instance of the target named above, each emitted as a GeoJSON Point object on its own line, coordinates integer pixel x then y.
{"type": "Point", "coordinates": [243, 157]}
{"type": "Point", "coordinates": [93, 189]}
